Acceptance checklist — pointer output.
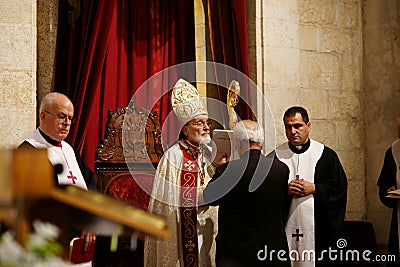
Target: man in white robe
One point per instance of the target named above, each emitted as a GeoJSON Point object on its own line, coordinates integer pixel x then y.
{"type": "Point", "coordinates": [181, 175]}
{"type": "Point", "coordinates": [56, 114]}
{"type": "Point", "coordinates": [318, 191]}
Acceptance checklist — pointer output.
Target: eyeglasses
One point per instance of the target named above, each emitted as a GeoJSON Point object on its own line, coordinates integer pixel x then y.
{"type": "Point", "coordinates": [62, 116]}
{"type": "Point", "coordinates": [200, 124]}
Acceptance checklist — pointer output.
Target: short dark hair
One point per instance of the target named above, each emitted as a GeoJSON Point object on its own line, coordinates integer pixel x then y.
{"type": "Point", "coordinates": [290, 112]}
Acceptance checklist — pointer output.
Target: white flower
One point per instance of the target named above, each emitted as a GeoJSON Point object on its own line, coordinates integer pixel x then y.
{"type": "Point", "coordinates": [46, 230]}
{"type": "Point", "coordinates": [35, 241]}
{"type": "Point", "coordinates": [41, 248]}
{"type": "Point", "coordinates": [10, 250]}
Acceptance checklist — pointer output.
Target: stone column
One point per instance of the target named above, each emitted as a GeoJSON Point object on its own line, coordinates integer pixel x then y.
{"type": "Point", "coordinates": [274, 57]}
{"type": "Point", "coordinates": [17, 70]}
{"type": "Point", "coordinates": [47, 36]}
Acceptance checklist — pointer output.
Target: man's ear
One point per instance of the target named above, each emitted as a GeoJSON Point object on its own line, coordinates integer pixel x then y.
{"type": "Point", "coordinates": [184, 131]}
{"type": "Point", "coordinates": [42, 114]}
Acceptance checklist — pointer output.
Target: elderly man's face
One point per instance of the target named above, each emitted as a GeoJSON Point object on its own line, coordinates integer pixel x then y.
{"type": "Point", "coordinates": [55, 120]}
{"type": "Point", "coordinates": [198, 130]}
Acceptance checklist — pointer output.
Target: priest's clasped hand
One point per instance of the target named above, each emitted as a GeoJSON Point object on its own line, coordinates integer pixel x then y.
{"type": "Point", "coordinates": [89, 239]}
{"type": "Point", "coordinates": [301, 188]}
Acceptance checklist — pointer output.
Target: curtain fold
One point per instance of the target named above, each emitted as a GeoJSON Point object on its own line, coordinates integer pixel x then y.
{"type": "Point", "coordinates": [228, 41]}
{"type": "Point", "coordinates": [107, 49]}
{"type": "Point", "coordinates": [111, 50]}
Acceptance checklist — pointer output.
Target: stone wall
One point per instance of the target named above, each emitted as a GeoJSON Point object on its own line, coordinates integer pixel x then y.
{"type": "Point", "coordinates": [17, 70]}
{"type": "Point", "coordinates": [340, 60]}
{"type": "Point", "coordinates": [330, 85]}
{"type": "Point", "coordinates": [382, 98]}
{"type": "Point", "coordinates": [309, 53]}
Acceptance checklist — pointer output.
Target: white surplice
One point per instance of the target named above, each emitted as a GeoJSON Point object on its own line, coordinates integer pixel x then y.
{"type": "Point", "coordinates": [300, 228]}
{"type": "Point", "coordinates": [165, 202]}
{"type": "Point", "coordinates": [64, 155]}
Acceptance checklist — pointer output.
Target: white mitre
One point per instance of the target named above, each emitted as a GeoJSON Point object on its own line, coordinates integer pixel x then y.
{"type": "Point", "coordinates": [187, 102]}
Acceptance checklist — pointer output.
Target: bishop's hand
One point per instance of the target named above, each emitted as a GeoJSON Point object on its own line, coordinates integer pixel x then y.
{"type": "Point", "coordinates": [223, 160]}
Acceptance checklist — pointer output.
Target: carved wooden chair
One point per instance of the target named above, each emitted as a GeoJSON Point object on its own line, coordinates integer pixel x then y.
{"type": "Point", "coordinates": [125, 165]}
{"type": "Point", "coordinates": [126, 159]}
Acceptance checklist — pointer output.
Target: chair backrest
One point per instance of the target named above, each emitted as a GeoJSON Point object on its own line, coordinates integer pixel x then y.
{"type": "Point", "coordinates": [126, 159]}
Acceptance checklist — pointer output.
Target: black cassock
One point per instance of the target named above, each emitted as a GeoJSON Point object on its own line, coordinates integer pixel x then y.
{"type": "Point", "coordinates": [329, 201]}
{"type": "Point", "coordinates": [248, 220]}
{"type": "Point", "coordinates": [387, 178]}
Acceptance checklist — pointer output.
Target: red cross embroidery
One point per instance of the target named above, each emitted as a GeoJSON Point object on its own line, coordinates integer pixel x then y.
{"type": "Point", "coordinates": [297, 235]}
{"type": "Point", "coordinates": [72, 177]}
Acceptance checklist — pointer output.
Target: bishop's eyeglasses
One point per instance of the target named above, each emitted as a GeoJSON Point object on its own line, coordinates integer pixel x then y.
{"type": "Point", "coordinates": [62, 116]}
{"type": "Point", "coordinates": [201, 124]}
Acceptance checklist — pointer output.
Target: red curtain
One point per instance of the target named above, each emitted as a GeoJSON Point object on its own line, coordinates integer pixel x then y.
{"type": "Point", "coordinates": [107, 49]}
{"type": "Point", "coordinates": [228, 41]}
{"type": "Point", "coordinates": [106, 54]}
